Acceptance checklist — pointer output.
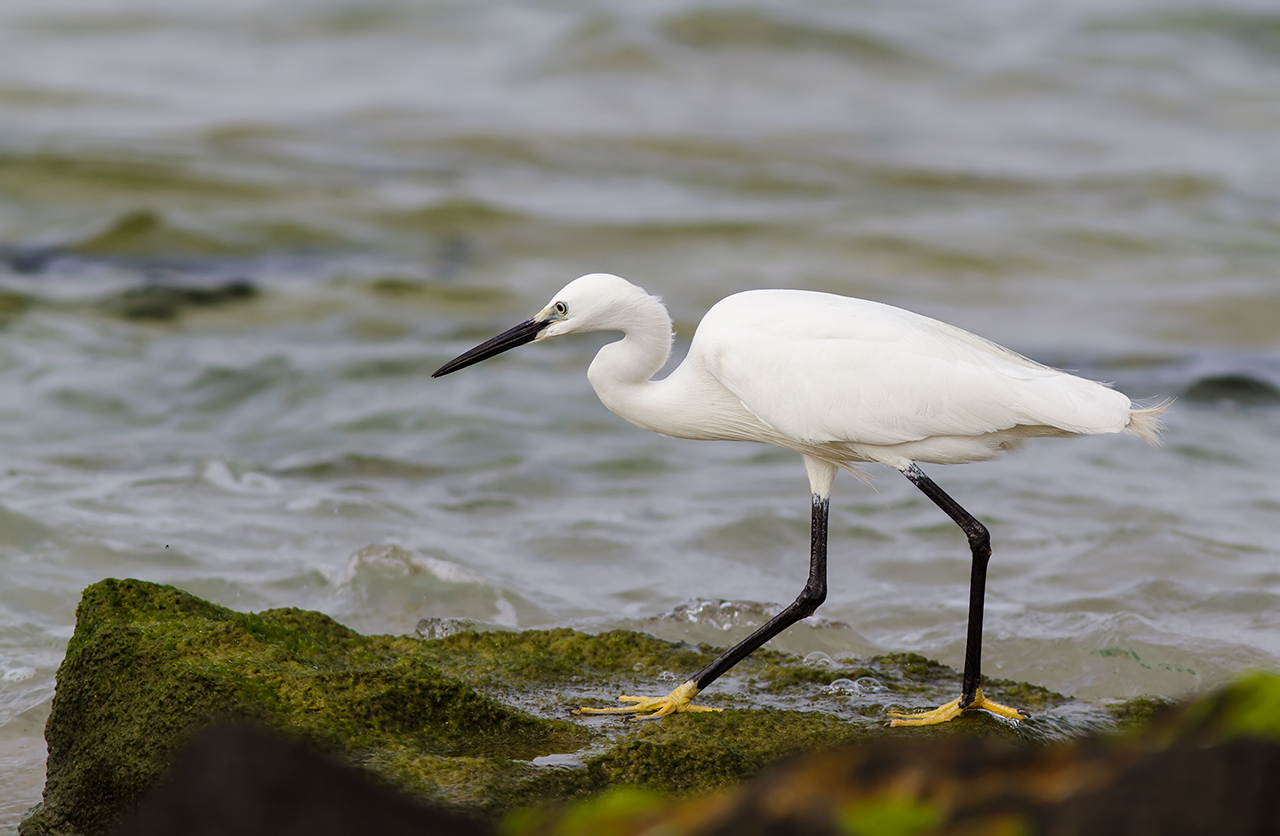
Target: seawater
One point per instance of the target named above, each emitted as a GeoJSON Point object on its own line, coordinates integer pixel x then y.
{"type": "Point", "coordinates": [235, 240]}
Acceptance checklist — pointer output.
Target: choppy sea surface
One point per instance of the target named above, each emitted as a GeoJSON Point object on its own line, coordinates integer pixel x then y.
{"type": "Point", "coordinates": [237, 238]}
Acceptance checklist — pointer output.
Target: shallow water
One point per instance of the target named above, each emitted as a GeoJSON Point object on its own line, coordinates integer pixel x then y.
{"type": "Point", "coordinates": [236, 241]}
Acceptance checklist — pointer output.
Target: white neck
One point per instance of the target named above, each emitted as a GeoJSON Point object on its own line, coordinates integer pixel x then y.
{"type": "Point", "coordinates": [621, 371]}
{"type": "Point", "coordinates": [688, 403]}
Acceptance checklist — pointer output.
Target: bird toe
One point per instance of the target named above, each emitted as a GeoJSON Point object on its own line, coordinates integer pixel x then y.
{"type": "Point", "coordinates": [678, 701]}
{"type": "Point", "coordinates": [953, 709]}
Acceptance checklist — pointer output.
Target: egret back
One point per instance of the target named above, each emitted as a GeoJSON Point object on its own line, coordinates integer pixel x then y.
{"type": "Point", "coordinates": [821, 368]}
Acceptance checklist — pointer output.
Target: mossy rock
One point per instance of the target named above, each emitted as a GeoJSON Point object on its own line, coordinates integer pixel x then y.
{"type": "Point", "coordinates": [1208, 765]}
{"type": "Point", "coordinates": [458, 720]}
{"type": "Point", "coordinates": [1247, 708]}
{"type": "Point", "coordinates": [150, 664]}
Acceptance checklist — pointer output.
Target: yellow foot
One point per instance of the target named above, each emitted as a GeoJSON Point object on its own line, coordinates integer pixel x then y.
{"type": "Point", "coordinates": [653, 708]}
{"type": "Point", "coordinates": [952, 710]}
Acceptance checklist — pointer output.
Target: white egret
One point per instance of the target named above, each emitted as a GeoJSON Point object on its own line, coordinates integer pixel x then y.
{"type": "Point", "coordinates": [841, 381]}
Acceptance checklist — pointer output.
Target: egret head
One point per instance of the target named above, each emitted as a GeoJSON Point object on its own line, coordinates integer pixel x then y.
{"type": "Point", "coordinates": [595, 302]}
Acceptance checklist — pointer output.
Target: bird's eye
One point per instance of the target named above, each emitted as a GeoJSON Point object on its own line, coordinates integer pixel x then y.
{"type": "Point", "coordinates": [561, 308]}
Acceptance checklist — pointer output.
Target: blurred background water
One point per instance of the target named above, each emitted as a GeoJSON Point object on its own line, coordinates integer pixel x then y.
{"type": "Point", "coordinates": [237, 238]}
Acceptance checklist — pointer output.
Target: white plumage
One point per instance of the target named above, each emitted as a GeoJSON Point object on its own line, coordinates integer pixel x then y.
{"type": "Point", "coordinates": [845, 380]}
{"type": "Point", "coordinates": [842, 381]}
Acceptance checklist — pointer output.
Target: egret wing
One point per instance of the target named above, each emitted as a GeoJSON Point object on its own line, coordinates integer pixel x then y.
{"type": "Point", "coordinates": [818, 368]}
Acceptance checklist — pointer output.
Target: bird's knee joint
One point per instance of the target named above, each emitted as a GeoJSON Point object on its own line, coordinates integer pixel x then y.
{"type": "Point", "coordinates": [811, 599]}
{"type": "Point", "coordinates": [979, 540]}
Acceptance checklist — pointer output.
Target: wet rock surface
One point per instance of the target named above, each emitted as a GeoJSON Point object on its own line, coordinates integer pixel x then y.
{"type": "Point", "coordinates": [477, 726]}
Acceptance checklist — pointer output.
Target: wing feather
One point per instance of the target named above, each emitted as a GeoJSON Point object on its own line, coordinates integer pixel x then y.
{"type": "Point", "coordinates": [820, 368]}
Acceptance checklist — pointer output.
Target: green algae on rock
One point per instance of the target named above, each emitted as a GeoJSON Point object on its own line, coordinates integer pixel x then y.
{"type": "Point", "coordinates": [150, 664]}
{"type": "Point", "coordinates": [1209, 765]}
{"type": "Point", "coordinates": [471, 720]}
{"type": "Point", "coordinates": [688, 754]}
{"type": "Point", "coordinates": [1248, 708]}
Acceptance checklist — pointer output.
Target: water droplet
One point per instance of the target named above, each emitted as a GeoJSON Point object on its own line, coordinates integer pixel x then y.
{"type": "Point", "coordinates": [840, 686]}
{"type": "Point", "coordinates": [666, 676]}
{"type": "Point", "coordinates": [819, 659]}
{"type": "Point", "coordinates": [868, 685]}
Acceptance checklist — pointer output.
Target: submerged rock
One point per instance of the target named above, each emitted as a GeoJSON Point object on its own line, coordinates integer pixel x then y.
{"type": "Point", "coordinates": [478, 722]}
{"type": "Point", "coordinates": [166, 300]}
{"type": "Point", "coordinates": [1242, 389]}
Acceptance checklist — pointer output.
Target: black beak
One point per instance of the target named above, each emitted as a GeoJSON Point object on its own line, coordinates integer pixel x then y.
{"type": "Point", "coordinates": [523, 333]}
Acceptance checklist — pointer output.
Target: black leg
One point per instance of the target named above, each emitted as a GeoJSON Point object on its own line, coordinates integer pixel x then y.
{"type": "Point", "coordinates": [813, 594]}
{"type": "Point", "coordinates": [811, 597]}
{"type": "Point", "coordinates": [980, 546]}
